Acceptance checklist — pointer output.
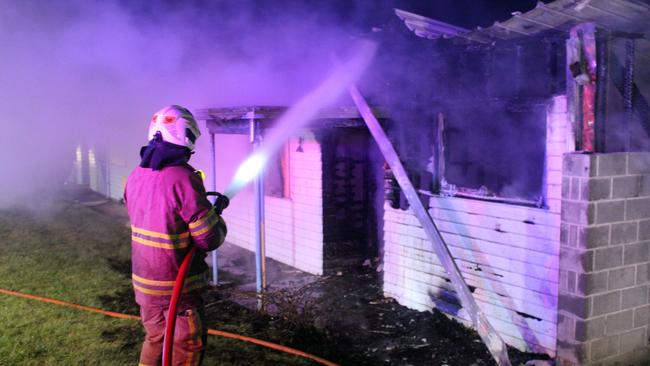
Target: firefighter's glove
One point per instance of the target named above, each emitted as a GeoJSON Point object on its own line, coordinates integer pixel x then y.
{"type": "Point", "coordinates": [220, 203]}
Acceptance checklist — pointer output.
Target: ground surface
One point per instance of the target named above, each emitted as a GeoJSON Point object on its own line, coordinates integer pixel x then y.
{"type": "Point", "coordinates": [77, 250]}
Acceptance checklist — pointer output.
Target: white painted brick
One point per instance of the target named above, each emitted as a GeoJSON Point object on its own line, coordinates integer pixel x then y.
{"type": "Point", "coordinates": [555, 122]}
{"type": "Point", "coordinates": [302, 203]}
{"type": "Point", "coordinates": [554, 205]}
{"type": "Point", "coordinates": [555, 148]}
{"type": "Point", "coordinates": [558, 137]}
{"type": "Point", "coordinates": [428, 263]}
{"type": "Point", "coordinates": [281, 203]}
{"type": "Point", "coordinates": [315, 262]}
{"type": "Point", "coordinates": [282, 218]}
{"type": "Point", "coordinates": [308, 245]}
{"type": "Point", "coordinates": [416, 232]}
{"type": "Point", "coordinates": [278, 223]}
{"type": "Point", "coordinates": [554, 177]}
{"type": "Point", "coordinates": [495, 209]}
{"type": "Point", "coordinates": [316, 184]}
{"type": "Point", "coordinates": [507, 239]}
{"type": "Point", "coordinates": [308, 148]}
{"type": "Point", "coordinates": [313, 218]}
{"type": "Point", "coordinates": [311, 172]}
{"type": "Point", "coordinates": [299, 180]}
{"type": "Point", "coordinates": [310, 161]}
{"type": "Point", "coordinates": [554, 162]}
{"type": "Point", "coordinates": [316, 269]}
{"type": "Point", "coordinates": [313, 227]}
{"type": "Point", "coordinates": [456, 242]}
{"type": "Point", "coordinates": [309, 205]}
{"type": "Point", "coordinates": [554, 191]}
{"type": "Point", "coordinates": [273, 208]}
{"type": "Point", "coordinates": [279, 255]}
{"type": "Point", "coordinates": [494, 223]}
{"type": "Point", "coordinates": [305, 191]}
{"type": "Point", "coordinates": [487, 263]}
{"type": "Point", "coordinates": [272, 234]}
{"type": "Point", "coordinates": [303, 233]}
{"type": "Point", "coordinates": [559, 104]}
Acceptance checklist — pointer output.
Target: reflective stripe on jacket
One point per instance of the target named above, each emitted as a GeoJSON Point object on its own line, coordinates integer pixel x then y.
{"type": "Point", "coordinates": [169, 212]}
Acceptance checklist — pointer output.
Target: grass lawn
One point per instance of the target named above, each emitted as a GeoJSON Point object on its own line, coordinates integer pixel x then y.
{"type": "Point", "coordinates": [75, 254]}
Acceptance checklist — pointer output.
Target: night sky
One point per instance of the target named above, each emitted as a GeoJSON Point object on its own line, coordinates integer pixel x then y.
{"type": "Point", "coordinates": [359, 14]}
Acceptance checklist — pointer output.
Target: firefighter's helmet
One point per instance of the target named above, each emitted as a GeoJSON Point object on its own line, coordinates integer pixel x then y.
{"type": "Point", "coordinates": [176, 125]}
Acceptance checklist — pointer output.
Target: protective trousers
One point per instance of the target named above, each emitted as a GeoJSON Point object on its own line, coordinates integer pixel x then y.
{"type": "Point", "coordinates": [189, 339]}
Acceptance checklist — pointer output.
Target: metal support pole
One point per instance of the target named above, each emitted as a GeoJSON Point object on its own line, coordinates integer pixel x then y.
{"type": "Point", "coordinates": [628, 90]}
{"type": "Point", "coordinates": [491, 338]}
{"type": "Point", "coordinates": [214, 256]}
{"type": "Point", "coordinates": [260, 255]}
{"type": "Point", "coordinates": [107, 173]}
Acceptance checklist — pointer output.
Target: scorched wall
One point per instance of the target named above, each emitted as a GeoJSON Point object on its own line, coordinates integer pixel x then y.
{"type": "Point", "coordinates": [509, 255]}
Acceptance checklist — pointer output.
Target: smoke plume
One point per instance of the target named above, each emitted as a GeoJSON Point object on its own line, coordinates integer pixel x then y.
{"type": "Point", "coordinates": [92, 72]}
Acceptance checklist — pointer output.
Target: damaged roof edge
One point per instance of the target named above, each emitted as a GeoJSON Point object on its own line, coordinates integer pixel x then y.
{"type": "Point", "coordinates": [272, 112]}
{"type": "Point", "coordinates": [560, 15]}
{"type": "Point", "coordinates": [235, 120]}
{"type": "Point", "coordinates": [427, 27]}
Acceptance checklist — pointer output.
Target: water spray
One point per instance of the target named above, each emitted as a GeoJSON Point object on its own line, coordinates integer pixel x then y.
{"type": "Point", "coordinates": [301, 113]}
{"type": "Point", "coordinates": [296, 117]}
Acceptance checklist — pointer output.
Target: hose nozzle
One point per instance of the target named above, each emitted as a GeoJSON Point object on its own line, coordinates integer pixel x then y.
{"type": "Point", "coordinates": [221, 201]}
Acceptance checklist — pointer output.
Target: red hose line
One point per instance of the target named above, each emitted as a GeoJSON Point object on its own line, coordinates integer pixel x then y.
{"type": "Point", "coordinates": [69, 304]}
{"type": "Point", "coordinates": [168, 345]}
{"type": "Point", "coordinates": [274, 346]}
{"type": "Point", "coordinates": [215, 332]}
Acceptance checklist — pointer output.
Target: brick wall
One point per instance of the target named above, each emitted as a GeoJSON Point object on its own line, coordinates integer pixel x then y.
{"type": "Point", "coordinates": [294, 226]}
{"type": "Point", "coordinates": [604, 310]}
{"type": "Point", "coordinates": [508, 255]}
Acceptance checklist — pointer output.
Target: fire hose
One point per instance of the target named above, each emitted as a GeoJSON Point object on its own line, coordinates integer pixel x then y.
{"type": "Point", "coordinates": [220, 203]}
{"type": "Point", "coordinates": [168, 344]}
{"type": "Point", "coordinates": [215, 332]}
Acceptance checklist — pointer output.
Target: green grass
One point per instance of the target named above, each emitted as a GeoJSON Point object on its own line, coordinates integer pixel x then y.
{"type": "Point", "coordinates": [75, 254]}
{"type": "Point", "coordinates": [64, 254]}
{"type": "Point", "coordinates": [42, 334]}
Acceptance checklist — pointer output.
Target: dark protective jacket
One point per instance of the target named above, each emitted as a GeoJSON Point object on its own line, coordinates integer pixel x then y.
{"type": "Point", "coordinates": [169, 213]}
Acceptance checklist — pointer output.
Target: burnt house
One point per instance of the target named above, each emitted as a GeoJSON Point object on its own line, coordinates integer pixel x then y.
{"type": "Point", "coordinates": [529, 142]}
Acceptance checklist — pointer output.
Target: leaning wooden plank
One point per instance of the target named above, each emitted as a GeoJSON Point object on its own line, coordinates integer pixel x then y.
{"type": "Point", "coordinates": [490, 337]}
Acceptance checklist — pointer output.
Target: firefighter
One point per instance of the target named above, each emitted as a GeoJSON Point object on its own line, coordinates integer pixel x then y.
{"type": "Point", "coordinates": [169, 213]}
